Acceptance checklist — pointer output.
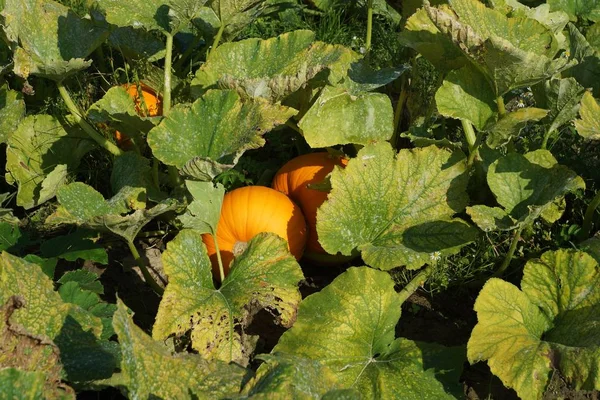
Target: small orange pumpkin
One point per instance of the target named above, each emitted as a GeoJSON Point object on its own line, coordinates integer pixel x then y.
{"type": "Point", "coordinates": [151, 107]}
{"type": "Point", "coordinates": [293, 179]}
{"type": "Point", "coordinates": [248, 211]}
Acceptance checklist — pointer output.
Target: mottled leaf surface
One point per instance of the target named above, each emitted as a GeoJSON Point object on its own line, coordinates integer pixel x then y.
{"type": "Point", "coordinates": [339, 117]}
{"type": "Point", "coordinates": [587, 71]}
{"type": "Point", "coordinates": [349, 327]}
{"type": "Point", "coordinates": [40, 154]}
{"type": "Point", "coordinates": [466, 94]}
{"type": "Point", "coordinates": [16, 384]}
{"type": "Point", "coordinates": [203, 213]}
{"type": "Point", "coordinates": [12, 110]}
{"type": "Point", "coordinates": [552, 320]}
{"type": "Point", "coordinates": [561, 97]}
{"type": "Point", "coordinates": [272, 68]}
{"type": "Point", "coordinates": [396, 209]}
{"type": "Point", "coordinates": [586, 9]}
{"type": "Point", "coordinates": [588, 123]}
{"type": "Point", "coordinates": [491, 218]}
{"type": "Point", "coordinates": [52, 40]}
{"type": "Point", "coordinates": [150, 369]}
{"type": "Point", "coordinates": [219, 126]}
{"type": "Point", "coordinates": [265, 276]}
{"type": "Point", "coordinates": [511, 124]}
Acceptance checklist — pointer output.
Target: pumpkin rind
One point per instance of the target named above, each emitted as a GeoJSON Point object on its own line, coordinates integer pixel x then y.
{"type": "Point", "coordinates": [293, 179]}
{"type": "Point", "coordinates": [151, 107]}
{"type": "Point", "coordinates": [250, 210]}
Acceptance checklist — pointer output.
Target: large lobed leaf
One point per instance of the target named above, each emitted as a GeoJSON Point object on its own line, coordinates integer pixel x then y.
{"type": "Point", "coordinates": [347, 329]}
{"type": "Point", "coordinates": [588, 124]}
{"type": "Point", "coordinates": [397, 210]}
{"type": "Point", "coordinates": [265, 276]}
{"type": "Point", "coordinates": [272, 68]}
{"type": "Point", "coordinates": [12, 110]}
{"type": "Point", "coordinates": [50, 39]}
{"type": "Point", "coordinates": [550, 323]}
{"type": "Point", "coordinates": [218, 128]}
{"type": "Point", "coordinates": [150, 370]}
{"type": "Point", "coordinates": [40, 154]}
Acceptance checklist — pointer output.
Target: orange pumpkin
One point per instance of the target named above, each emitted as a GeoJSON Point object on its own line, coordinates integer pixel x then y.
{"type": "Point", "coordinates": [151, 107]}
{"type": "Point", "coordinates": [248, 211]}
{"type": "Point", "coordinates": [293, 179]}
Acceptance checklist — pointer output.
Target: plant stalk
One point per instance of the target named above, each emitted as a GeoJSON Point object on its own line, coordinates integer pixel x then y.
{"type": "Point", "coordinates": [369, 27]}
{"type": "Point", "coordinates": [217, 39]}
{"type": "Point", "coordinates": [219, 260]}
{"type": "Point", "coordinates": [415, 283]}
{"type": "Point", "coordinates": [144, 268]}
{"type": "Point", "coordinates": [89, 129]}
{"type": "Point", "coordinates": [168, 64]}
{"type": "Point", "coordinates": [501, 107]}
{"type": "Point", "coordinates": [546, 138]}
{"type": "Point", "coordinates": [587, 218]}
{"type": "Point", "coordinates": [511, 252]}
{"type": "Point", "coordinates": [471, 137]}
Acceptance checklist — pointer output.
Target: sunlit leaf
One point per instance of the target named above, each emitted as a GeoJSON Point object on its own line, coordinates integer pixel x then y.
{"type": "Point", "coordinates": [588, 9]}
{"type": "Point", "coordinates": [265, 276]}
{"type": "Point", "coordinates": [349, 327]}
{"type": "Point", "coordinates": [149, 368]}
{"type": "Point", "coordinates": [40, 155]}
{"type": "Point", "coordinates": [52, 41]}
{"type": "Point", "coordinates": [550, 323]}
{"type": "Point", "coordinates": [397, 210]}
{"type": "Point", "coordinates": [28, 385]}
{"type": "Point", "coordinates": [219, 126]}
{"type": "Point", "coordinates": [203, 213]}
{"type": "Point", "coordinates": [588, 124]}
{"type": "Point", "coordinates": [338, 117]}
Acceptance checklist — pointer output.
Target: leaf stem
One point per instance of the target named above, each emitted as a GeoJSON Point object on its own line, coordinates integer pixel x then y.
{"type": "Point", "coordinates": [546, 138]}
{"type": "Point", "coordinates": [587, 218]}
{"type": "Point", "coordinates": [89, 129]}
{"type": "Point", "coordinates": [511, 252]}
{"type": "Point", "coordinates": [471, 137]}
{"type": "Point", "coordinates": [369, 27]}
{"type": "Point", "coordinates": [398, 112]}
{"type": "Point", "coordinates": [168, 64]}
{"type": "Point", "coordinates": [140, 263]}
{"type": "Point", "coordinates": [416, 282]}
{"type": "Point", "coordinates": [219, 260]}
{"type": "Point", "coordinates": [217, 39]}
{"type": "Point", "coordinates": [501, 107]}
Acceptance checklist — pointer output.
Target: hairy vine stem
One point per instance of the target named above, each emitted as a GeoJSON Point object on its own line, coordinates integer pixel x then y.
{"type": "Point", "coordinates": [415, 283]}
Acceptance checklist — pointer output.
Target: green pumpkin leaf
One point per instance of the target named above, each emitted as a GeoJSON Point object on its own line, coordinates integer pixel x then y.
{"type": "Point", "coordinates": [550, 322]}
{"type": "Point", "coordinates": [11, 113]}
{"type": "Point", "coordinates": [374, 207]}
{"type": "Point", "coordinates": [349, 327]}
{"type": "Point", "coordinates": [76, 332]}
{"type": "Point", "coordinates": [9, 235]}
{"type": "Point", "coordinates": [118, 109]}
{"type": "Point", "coordinates": [203, 213]}
{"type": "Point", "coordinates": [507, 64]}
{"type": "Point", "coordinates": [338, 117]}
{"type": "Point", "coordinates": [40, 154]}
{"type": "Point", "coordinates": [561, 97]}
{"type": "Point", "coordinates": [491, 218]}
{"type": "Point", "coordinates": [219, 126]}
{"type": "Point", "coordinates": [592, 35]}
{"type": "Point", "coordinates": [588, 124]}
{"type": "Point", "coordinates": [272, 68]}
{"type": "Point", "coordinates": [421, 34]}
{"type": "Point", "coordinates": [51, 40]}
{"type": "Point", "coordinates": [29, 385]}
{"type": "Point", "coordinates": [523, 184]}
{"type": "Point", "coordinates": [150, 369]}
{"type": "Point", "coordinates": [74, 246]}
{"type": "Point", "coordinates": [587, 71]}
{"type": "Point", "coordinates": [137, 44]}
{"type": "Point", "coordinates": [84, 279]}
{"type": "Point", "coordinates": [266, 276]}
{"type": "Point", "coordinates": [511, 124]}
{"type": "Point", "coordinates": [589, 9]}
{"type": "Point", "coordinates": [466, 94]}
{"type": "Point", "coordinates": [133, 171]}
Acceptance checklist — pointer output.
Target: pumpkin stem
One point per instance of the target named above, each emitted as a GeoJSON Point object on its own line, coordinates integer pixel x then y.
{"type": "Point", "coordinates": [239, 248]}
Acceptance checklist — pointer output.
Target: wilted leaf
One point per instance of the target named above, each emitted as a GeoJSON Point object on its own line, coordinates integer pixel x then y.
{"type": "Point", "coordinates": [40, 154]}
{"type": "Point", "coordinates": [510, 125]}
{"type": "Point", "coordinates": [219, 125]}
{"type": "Point", "coordinates": [374, 206]}
{"type": "Point", "coordinates": [349, 327]}
{"type": "Point", "coordinates": [150, 369]}
{"type": "Point", "coordinates": [466, 94]}
{"type": "Point", "coordinates": [12, 110]}
{"type": "Point", "coordinates": [588, 125]}
{"type": "Point", "coordinates": [272, 68]}
{"type": "Point", "coordinates": [265, 276]}
{"type": "Point", "coordinates": [550, 322]}
{"type": "Point", "coordinates": [52, 40]}
{"type": "Point", "coordinates": [338, 117]}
